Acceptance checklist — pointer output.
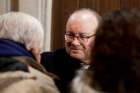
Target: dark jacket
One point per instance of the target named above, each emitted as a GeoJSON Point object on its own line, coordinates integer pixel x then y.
{"type": "Point", "coordinates": [62, 65]}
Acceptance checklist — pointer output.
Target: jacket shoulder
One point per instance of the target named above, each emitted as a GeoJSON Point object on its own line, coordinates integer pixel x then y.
{"type": "Point", "coordinates": [52, 56]}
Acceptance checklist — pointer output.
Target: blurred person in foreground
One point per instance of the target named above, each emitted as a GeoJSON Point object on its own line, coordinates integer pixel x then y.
{"type": "Point", "coordinates": [21, 39]}
{"type": "Point", "coordinates": [115, 56]}
{"type": "Point", "coordinates": [79, 36]}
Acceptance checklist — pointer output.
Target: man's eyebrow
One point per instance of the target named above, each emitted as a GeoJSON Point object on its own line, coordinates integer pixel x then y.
{"type": "Point", "coordinates": [85, 34]}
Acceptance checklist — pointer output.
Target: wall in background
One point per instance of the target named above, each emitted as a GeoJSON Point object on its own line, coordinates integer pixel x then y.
{"type": "Point", "coordinates": [41, 9]}
{"type": "Point", "coordinates": [5, 6]}
{"type": "Point", "coordinates": [63, 8]}
{"type": "Point", "coordinates": [59, 11]}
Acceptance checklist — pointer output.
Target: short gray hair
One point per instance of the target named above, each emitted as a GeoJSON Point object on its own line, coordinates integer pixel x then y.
{"type": "Point", "coordinates": [22, 28]}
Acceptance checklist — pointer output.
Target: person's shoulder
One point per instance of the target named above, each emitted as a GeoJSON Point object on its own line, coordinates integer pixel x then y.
{"type": "Point", "coordinates": [61, 51]}
{"type": "Point", "coordinates": [43, 82]}
{"type": "Point", "coordinates": [12, 64]}
{"type": "Point", "coordinates": [53, 57]}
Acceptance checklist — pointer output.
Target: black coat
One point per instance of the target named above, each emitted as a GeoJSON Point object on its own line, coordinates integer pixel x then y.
{"type": "Point", "coordinates": [62, 65]}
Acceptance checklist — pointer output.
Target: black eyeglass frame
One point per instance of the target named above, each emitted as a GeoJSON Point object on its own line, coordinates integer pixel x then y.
{"type": "Point", "coordinates": [80, 37]}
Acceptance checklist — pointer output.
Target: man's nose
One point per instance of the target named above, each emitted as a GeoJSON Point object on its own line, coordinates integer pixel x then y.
{"type": "Point", "coordinates": [76, 41]}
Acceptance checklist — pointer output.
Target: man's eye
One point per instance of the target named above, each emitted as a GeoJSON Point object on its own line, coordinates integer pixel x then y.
{"type": "Point", "coordinates": [71, 35]}
{"type": "Point", "coordinates": [83, 36]}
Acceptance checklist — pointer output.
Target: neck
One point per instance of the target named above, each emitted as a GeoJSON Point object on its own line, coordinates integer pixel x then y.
{"type": "Point", "coordinates": [86, 61]}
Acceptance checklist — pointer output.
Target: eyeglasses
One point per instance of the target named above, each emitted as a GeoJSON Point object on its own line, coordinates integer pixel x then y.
{"type": "Point", "coordinates": [81, 37]}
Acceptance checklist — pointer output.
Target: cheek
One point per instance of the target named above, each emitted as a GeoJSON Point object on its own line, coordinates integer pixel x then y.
{"type": "Point", "coordinates": [88, 46]}
{"type": "Point", "coordinates": [91, 44]}
{"type": "Point", "coordinates": [67, 44]}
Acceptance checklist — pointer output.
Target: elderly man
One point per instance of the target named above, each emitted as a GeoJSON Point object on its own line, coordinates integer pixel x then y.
{"type": "Point", "coordinates": [21, 39]}
{"type": "Point", "coordinates": [80, 30]}
{"type": "Point", "coordinates": [20, 28]}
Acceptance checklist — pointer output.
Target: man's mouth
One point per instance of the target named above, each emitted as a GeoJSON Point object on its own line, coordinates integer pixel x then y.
{"type": "Point", "coordinates": [73, 48]}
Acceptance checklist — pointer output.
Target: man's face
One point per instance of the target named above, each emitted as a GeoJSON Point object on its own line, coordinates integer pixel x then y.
{"type": "Point", "coordinates": [79, 38]}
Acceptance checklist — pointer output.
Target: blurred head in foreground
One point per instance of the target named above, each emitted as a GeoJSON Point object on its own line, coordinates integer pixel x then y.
{"type": "Point", "coordinates": [115, 56]}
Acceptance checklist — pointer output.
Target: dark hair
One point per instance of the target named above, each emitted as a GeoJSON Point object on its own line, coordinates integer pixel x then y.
{"type": "Point", "coordinates": [116, 53]}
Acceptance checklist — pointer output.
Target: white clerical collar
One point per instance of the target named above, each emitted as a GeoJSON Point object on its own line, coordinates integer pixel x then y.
{"type": "Point", "coordinates": [85, 66]}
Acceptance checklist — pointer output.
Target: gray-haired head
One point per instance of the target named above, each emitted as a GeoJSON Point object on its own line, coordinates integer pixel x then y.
{"type": "Point", "coordinates": [22, 28]}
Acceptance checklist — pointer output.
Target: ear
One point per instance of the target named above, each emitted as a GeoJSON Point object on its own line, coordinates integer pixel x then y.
{"type": "Point", "coordinates": [36, 53]}
{"type": "Point", "coordinates": [65, 37]}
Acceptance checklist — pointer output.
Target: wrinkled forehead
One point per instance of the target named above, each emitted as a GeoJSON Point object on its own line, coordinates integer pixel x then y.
{"type": "Point", "coordinates": [82, 24]}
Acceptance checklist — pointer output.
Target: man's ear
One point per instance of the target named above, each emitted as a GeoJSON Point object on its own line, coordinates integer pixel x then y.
{"type": "Point", "coordinates": [36, 54]}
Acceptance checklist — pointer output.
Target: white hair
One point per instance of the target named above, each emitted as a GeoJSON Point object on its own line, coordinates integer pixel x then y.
{"type": "Point", "coordinates": [22, 28]}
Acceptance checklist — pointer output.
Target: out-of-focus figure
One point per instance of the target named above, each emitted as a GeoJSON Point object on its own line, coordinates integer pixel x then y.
{"type": "Point", "coordinates": [115, 56]}
{"type": "Point", "coordinates": [21, 39]}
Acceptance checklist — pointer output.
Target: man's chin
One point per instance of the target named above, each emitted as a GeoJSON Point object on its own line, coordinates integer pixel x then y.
{"type": "Point", "coordinates": [75, 54]}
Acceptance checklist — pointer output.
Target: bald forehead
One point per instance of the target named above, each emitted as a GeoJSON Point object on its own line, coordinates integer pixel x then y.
{"type": "Point", "coordinates": [83, 18]}
{"type": "Point", "coordinates": [83, 15]}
